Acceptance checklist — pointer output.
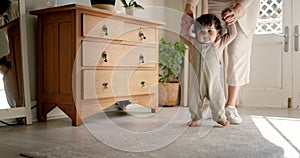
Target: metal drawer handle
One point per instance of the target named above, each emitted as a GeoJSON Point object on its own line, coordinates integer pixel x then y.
{"type": "Point", "coordinates": [105, 85]}
{"type": "Point", "coordinates": [142, 59]}
{"type": "Point", "coordinates": [141, 35]}
{"type": "Point", "coordinates": [104, 56]}
{"type": "Point", "coordinates": [105, 30]}
{"type": "Point", "coordinates": [143, 83]}
{"type": "Point", "coordinates": [296, 40]}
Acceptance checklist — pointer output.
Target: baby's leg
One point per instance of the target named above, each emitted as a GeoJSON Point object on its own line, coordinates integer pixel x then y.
{"type": "Point", "coordinates": [196, 111]}
{"type": "Point", "coordinates": [195, 102]}
{"type": "Point", "coordinates": [196, 115]}
{"type": "Point", "coordinates": [194, 123]}
{"type": "Point", "coordinates": [223, 122]}
{"type": "Point", "coordinates": [217, 103]}
{"type": "Point", "coordinates": [218, 114]}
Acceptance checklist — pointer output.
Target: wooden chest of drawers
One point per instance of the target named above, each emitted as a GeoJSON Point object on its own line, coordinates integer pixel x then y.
{"type": "Point", "coordinates": [89, 59]}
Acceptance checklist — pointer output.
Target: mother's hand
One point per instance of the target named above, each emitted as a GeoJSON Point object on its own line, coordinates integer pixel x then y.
{"type": "Point", "coordinates": [229, 16]}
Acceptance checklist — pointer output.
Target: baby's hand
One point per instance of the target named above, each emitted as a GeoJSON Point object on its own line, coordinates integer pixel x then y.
{"type": "Point", "coordinates": [189, 10]}
{"type": "Point", "coordinates": [187, 20]}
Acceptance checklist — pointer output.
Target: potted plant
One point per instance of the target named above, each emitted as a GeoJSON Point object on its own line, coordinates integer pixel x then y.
{"type": "Point", "coordinates": [104, 4]}
{"type": "Point", "coordinates": [131, 6]}
{"type": "Point", "coordinates": [170, 60]}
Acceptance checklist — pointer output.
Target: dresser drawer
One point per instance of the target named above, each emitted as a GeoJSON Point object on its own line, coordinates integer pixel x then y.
{"type": "Point", "coordinates": [101, 54]}
{"type": "Point", "coordinates": [93, 85]}
{"type": "Point", "coordinates": [140, 82]}
{"type": "Point", "coordinates": [117, 55]}
{"type": "Point", "coordinates": [99, 27]}
{"type": "Point", "coordinates": [139, 33]}
{"type": "Point", "coordinates": [117, 83]}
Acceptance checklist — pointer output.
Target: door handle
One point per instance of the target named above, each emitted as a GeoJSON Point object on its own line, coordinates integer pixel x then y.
{"type": "Point", "coordinates": [286, 38]}
{"type": "Point", "coordinates": [296, 38]}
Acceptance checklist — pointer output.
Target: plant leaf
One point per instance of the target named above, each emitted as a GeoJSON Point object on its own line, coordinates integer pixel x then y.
{"type": "Point", "coordinates": [124, 3]}
{"type": "Point", "coordinates": [170, 59]}
{"type": "Point", "coordinates": [139, 6]}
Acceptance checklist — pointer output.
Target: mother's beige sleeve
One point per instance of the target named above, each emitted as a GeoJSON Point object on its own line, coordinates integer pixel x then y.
{"type": "Point", "coordinates": [195, 2]}
{"type": "Point", "coordinates": [245, 3]}
{"type": "Point", "coordinates": [248, 20]}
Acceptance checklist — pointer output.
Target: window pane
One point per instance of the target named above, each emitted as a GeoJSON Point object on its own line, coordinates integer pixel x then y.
{"type": "Point", "coordinates": [270, 17]}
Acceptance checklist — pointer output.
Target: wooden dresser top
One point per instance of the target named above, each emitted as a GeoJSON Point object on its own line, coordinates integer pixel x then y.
{"type": "Point", "coordinates": [96, 12]}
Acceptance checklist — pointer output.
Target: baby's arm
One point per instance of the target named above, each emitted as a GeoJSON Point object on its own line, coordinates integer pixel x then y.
{"type": "Point", "coordinates": [189, 7]}
{"type": "Point", "coordinates": [228, 37]}
{"type": "Point", "coordinates": [186, 23]}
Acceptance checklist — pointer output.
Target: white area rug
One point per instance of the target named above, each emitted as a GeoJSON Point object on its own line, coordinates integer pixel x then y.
{"type": "Point", "coordinates": [139, 133]}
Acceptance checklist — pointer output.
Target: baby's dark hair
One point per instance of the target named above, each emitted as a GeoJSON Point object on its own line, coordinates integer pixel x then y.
{"type": "Point", "coordinates": [4, 4]}
{"type": "Point", "coordinates": [208, 20]}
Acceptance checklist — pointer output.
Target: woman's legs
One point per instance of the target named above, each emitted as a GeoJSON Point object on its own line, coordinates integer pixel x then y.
{"type": "Point", "coordinates": [233, 92]}
{"type": "Point", "coordinates": [230, 109]}
{"type": "Point", "coordinates": [238, 72]}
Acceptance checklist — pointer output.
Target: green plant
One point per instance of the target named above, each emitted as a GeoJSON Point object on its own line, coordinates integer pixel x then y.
{"type": "Point", "coordinates": [170, 59]}
{"type": "Point", "coordinates": [132, 3]}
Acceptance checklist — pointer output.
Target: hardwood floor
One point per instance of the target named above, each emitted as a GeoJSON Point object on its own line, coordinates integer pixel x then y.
{"type": "Point", "coordinates": [16, 139]}
{"type": "Point", "coordinates": [39, 135]}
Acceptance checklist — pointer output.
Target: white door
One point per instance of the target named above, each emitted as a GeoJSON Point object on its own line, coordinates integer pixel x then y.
{"type": "Point", "coordinates": [275, 73]}
{"type": "Point", "coordinates": [296, 54]}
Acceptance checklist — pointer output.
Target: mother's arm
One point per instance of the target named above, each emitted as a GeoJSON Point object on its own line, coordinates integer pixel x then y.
{"type": "Point", "coordinates": [230, 15]}
{"type": "Point", "coordinates": [189, 7]}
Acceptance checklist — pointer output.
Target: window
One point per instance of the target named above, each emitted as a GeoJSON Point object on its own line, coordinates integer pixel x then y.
{"type": "Point", "coordinates": [270, 17]}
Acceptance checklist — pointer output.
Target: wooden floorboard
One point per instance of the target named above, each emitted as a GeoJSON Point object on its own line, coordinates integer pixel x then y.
{"type": "Point", "coordinates": [39, 135]}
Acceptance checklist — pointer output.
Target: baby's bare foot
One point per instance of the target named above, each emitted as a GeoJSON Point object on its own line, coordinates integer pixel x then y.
{"type": "Point", "coordinates": [224, 123]}
{"type": "Point", "coordinates": [193, 123]}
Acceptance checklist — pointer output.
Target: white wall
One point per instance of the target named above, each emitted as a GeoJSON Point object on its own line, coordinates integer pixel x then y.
{"type": "Point", "coordinates": [168, 11]}
{"type": "Point", "coordinates": [153, 9]}
{"type": "Point", "coordinates": [173, 17]}
{"type": "Point", "coordinates": [81, 2]}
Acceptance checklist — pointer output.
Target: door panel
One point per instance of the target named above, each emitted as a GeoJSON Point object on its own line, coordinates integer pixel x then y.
{"type": "Point", "coordinates": [271, 65]}
{"type": "Point", "coordinates": [267, 75]}
{"type": "Point", "coordinates": [296, 57]}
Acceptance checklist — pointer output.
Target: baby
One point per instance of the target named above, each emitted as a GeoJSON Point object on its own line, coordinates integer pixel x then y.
{"type": "Point", "coordinates": [206, 50]}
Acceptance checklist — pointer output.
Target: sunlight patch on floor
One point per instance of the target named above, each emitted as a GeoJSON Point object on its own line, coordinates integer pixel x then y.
{"type": "Point", "coordinates": [283, 132]}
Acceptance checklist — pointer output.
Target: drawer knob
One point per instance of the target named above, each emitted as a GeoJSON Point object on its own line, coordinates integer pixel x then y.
{"type": "Point", "coordinates": [105, 85]}
{"type": "Point", "coordinates": [141, 35]}
{"type": "Point", "coordinates": [104, 56]}
{"type": "Point", "coordinates": [142, 58]}
{"type": "Point", "coordinates": [105, 30]}
{"type": "Point", "coordinates": [143, 83]}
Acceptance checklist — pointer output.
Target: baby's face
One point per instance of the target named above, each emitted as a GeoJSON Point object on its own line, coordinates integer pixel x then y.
{"type": "Point", "coordinates": [207, 34]}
